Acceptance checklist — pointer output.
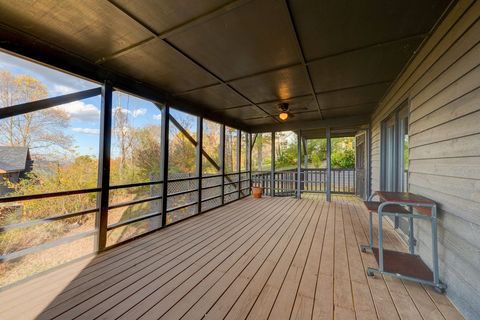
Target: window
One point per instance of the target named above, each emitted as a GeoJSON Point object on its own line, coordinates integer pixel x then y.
{"type": "Point", "coordinates": [394, 159]}
{"type": "Point", "coordinates": [135, 158]}
{"type": "Point", "coordinates": [211, 165]}
{"type": "Point", "coordinates": [395, 151]}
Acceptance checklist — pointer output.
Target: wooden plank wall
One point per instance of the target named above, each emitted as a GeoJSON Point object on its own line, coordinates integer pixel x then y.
{"type": "Point", "coordinates": [442, 85]}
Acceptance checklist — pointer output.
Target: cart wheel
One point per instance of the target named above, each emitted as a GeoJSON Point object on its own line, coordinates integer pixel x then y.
{"type": "Point", "coordinates": [370, 273]}
{"type": "Point", "coordinates": [440, 290]}
{"type": "Point", "coordinates": [364, 250]}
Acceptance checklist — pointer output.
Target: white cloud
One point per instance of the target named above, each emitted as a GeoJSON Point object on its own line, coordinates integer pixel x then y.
{"type": "Point", "coordinates": [87, 130]}
{"type": "Point", "coordinates": [157, 116]}
{"type": "Point", "coordinates": [79, 110]}
{"type": "Point", "coordinates": [139, 112]}
{"type": "Point", "coordinates": [59, 89]}
{"type": "Point", "coordinates": [135, 113]}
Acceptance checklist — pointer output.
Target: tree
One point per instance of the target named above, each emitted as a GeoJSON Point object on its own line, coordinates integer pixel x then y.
{"type": "Point", "coordinates": [37, 130]}
{"type": "Point", "coordinates": [343, 153]}
{"type": "Point", "coordinates": [146, 152]}
{"type": "Point", "coordinates": [261, 153]}
{"type": "Point", "coordinates": [123, 131]}
{"type": "Point", "coordinates": [182, 152]}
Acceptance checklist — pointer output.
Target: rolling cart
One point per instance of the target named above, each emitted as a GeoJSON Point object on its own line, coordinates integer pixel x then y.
{"type": "Point", "coordinates": [405, 266]}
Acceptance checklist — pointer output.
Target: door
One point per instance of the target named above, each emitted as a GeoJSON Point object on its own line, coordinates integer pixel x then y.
{"type": "Point", "coordinates": [360, 165]}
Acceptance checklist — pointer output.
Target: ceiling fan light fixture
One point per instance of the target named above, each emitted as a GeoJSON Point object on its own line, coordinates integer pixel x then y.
{"type": "Point", "coordinates": [283, 109]}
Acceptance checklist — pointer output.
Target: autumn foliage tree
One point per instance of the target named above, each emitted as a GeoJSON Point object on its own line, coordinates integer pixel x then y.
{"type": "Point", "coordinates": [38, 130]}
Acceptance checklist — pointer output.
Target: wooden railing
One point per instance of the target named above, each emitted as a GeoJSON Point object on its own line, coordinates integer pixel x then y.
{"type": "Point", "coordinates": [311, 181]}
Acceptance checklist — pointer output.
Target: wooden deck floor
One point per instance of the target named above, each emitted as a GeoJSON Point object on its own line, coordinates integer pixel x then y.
{"type": "Point", "coordinates": [275, 258]}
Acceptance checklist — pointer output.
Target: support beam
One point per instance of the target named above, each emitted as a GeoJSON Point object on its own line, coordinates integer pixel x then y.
{"type": "Point", "coordinates": [199, 149]}
{"type": "Point", "coordinates": [299, 164]}
{"type": "Point", "coordinates": [193, 141]}
{"type": "Point", "coordinates": [164, 160]}
{"type": "Point", "coordinates": [305, 150]}
{"type": "Point", "coordinates": [23, 108]}
{"type": "Point", "coordinates": [252, 144]}
{"type": "Point", "coordinates": [103, 180]}
{"type": "Point", "coordinates": [272, 168]}
{"type": "Point", "coordinates": [222, 160]}
{"type": "Point", "coordinates": [329, 166]}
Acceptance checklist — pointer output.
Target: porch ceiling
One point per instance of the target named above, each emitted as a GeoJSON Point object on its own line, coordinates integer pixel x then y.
{"type": "Point", "coordinates": [231, 61]}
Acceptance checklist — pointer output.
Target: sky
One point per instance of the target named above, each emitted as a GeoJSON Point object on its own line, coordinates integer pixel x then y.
{"type": "Point", "coordinates": [84, 115]}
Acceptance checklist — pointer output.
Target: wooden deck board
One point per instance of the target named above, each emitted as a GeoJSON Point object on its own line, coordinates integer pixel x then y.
{"type": "Point", "coordinates": [276, 258]}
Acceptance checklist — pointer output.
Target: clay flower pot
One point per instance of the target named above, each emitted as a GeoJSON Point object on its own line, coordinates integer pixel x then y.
{"type": "Point", "coordinates": [257, 192]}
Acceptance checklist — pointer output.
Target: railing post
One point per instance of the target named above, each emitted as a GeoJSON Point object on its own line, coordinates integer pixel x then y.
{"type": "Point", "coordinates": [329, 166]}
{"type": "Point", "coordinates": [104, 167]}
{"type": "Point", "coordinates": [305, 156]}
{"type": "Point", "coordinates": [239, 159]}
{"type": "Point", "coordinates": [164, 160]}
{"type": "Point", "coordinates": [222, 160]}
{"type": "Point", "coordinates": [272, 168]}
{"type": "Point", "coordinates": [199, 162]}
{"type": "Point", "coordinates": [299, 163]}
{"type": "Point", "coordinates": [249, 164]}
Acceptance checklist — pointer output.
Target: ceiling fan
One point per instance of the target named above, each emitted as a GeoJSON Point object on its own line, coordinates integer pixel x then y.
{"type": "Point", "coordinates": [284, 112]}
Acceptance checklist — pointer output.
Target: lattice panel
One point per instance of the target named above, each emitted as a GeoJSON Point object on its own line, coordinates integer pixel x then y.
{"type": "Point", "coordinates": [210, 204]}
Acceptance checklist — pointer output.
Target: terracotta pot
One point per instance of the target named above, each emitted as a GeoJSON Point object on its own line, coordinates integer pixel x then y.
{"type": "Point", "coordinates": [257, 192]}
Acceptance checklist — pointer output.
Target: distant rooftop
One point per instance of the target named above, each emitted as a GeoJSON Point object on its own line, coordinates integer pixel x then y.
{"type": "Point", "coordinates": [13, 159]}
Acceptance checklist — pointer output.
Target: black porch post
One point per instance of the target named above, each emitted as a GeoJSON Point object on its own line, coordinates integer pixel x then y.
{"type": "Point", "coordinates": [299, 163]}
{"type": "Point", "coordinates": [329, 166]}
{"type": "Point", "coordinates": [272, 167]}
{"type": "Point", "coordinates": [199, 161]}
{"type": "Point", "coordinates": [164, 160]}
{"type": "Point", "coordinates": [249, 164]}
{"type": "Point", "coordinates": [222, 160]}
{"type": "Point", "coordinates": [104, 167]}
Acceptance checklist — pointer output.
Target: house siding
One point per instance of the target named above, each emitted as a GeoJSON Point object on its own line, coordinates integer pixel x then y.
{"type": "Point", "coordinates": [442, 85]}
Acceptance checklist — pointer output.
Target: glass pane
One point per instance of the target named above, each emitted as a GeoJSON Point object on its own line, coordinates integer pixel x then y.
{"type": "Point", "coordinates": [243, 152]}
{"type": "Point", "coordinates": [135, 157]}
{"type": "Point", "coordinates": [405, 154]}
{"type": "Point", "coordinates": [211, 145]}
{"type": "Point", "coordinates": [285, 150]}
{"type": "Point", "coordinates": [136, 135]}
{"type": "Point", "coordinates": [343, 153]}
{"type": "Point", "coordinates": [182, 152]}
{"type": "Point", "coordinates": [211, 193]}
{"type": "Point", "coordinates": [51, 150]}
{"type": "Point", "coordinates": [389, 159]}
{"type": "Point", "coordinates": [262, 153]}
{"type": "Point", "coordinates": [182, 170]}
{"type": "Point", "coordinates": [231, 144]}
{"type": "Point", "coordinates": [316, 153]}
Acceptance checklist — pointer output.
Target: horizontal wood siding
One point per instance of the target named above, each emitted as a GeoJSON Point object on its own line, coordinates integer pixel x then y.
{"type": "Point", "coordinates": [442, 85]}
